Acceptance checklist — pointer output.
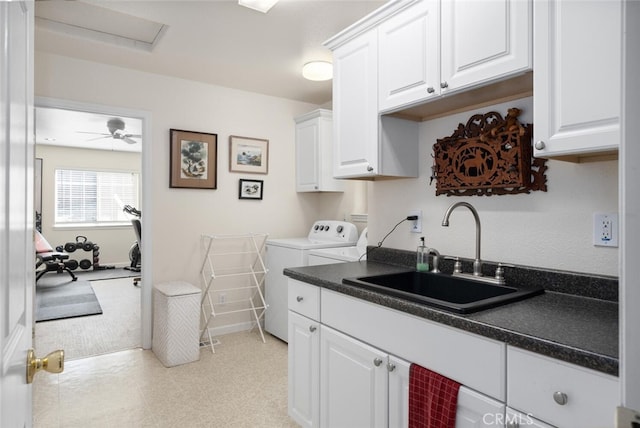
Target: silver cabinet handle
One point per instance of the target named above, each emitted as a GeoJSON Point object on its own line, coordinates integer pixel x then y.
{"type": "Point", "coordinates": [299, 298]}
{"type": "Point", "coordinates": [377, 362]}
{"type": "Point", "coordinates": [369, 168]}
{"type": "Point", "coordinates": [312, 328]}
{"type": "Point", "coordinates": [560, 398]}
{"type": "Point", "coordinates": [444, 85]}
{"type": "Point", "coordinates": [391, 367]}
{"type": "Point", "coordinates": [540, 145]}
{"type": "Point", "coordinates": [430, 90]}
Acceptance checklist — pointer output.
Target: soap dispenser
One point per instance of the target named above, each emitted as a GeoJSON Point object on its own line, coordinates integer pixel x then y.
{"type": "Point", "coordinates": [422, 257]}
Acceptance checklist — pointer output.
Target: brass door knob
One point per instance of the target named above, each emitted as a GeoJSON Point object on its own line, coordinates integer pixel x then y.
{"type": "Point", "coordinates": [53, 363]}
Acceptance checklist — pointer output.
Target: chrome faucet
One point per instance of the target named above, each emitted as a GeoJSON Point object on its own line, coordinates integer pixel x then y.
{"type": "Point", "coordinates": [477, 263]}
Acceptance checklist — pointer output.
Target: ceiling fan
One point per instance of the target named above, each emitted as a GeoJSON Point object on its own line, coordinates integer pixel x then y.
{"type": "Point", "coordinates": [116, 129]}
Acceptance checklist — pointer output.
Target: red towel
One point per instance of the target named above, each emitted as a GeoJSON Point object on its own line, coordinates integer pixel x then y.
{"type": "Point", "coordinates": [433, 399]}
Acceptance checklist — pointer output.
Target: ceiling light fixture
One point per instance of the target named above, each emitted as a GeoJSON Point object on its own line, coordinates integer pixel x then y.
{"type": "Point", "coordinates": [259, 5]}
{"type": "Point", "coordinates": [317, 70]}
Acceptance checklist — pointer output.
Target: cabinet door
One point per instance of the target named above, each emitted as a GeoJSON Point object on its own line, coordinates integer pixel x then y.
{"type": "Point", "coordinates": [304, 370]}
{"type": "Point", "coordinates": [577, 77]}
{"type": "Point", "coordinates": [353, 382]}
{"type": "Point", "coordinates": [355, 106]}
{"type": "Point", "coordinates": [408, 58]}
{"type": "Point", "coordinates": [398, 392]}
{"type": "Point", "coordinates": [476, 410]}
{"type": "Point", "coordinates": [484, 41]}
{"type": "Point", "coordinates": [307, 153]}
{"type": "Point", "coordinates": [515, 419]}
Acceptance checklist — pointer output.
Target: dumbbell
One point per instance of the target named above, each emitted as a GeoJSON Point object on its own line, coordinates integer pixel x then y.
{"type": "Point", "coordinates": [71, 264]}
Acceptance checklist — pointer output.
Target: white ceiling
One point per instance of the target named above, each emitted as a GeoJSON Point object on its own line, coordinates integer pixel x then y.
{"type": "Point", "coordinates": [212, 41]}
{"type": "Point", "coordinates": [70, 128]}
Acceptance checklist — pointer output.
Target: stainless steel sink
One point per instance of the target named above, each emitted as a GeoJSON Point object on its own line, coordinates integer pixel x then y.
{"type": "Point", "coordinates": [443, 291]}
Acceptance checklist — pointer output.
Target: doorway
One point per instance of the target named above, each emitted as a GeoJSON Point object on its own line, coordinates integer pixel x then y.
{"type": "Point", "coordinates": [116, 131]}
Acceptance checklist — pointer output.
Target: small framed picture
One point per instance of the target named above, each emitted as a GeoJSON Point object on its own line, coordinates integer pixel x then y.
{"type": "Point", "coordinates": [250, 189]}
{"type": "Point", "coordinates": [193, 160]}
{"type": "Point", "coordinates": [248, 155]}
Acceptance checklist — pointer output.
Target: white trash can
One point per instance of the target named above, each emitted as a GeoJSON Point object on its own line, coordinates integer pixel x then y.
{"type": "Point", "coordinates": [176, 323]}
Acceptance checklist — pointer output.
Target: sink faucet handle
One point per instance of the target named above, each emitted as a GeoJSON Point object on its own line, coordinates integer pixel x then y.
{"type": "Point", "coordinates": [457, 265]}
{"type": "Point", "coordinates": [500, 271]}
{"type": "Point", "coordinates": [435, 259]}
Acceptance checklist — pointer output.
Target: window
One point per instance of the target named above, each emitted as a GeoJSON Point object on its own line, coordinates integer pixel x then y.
{"type": "Point", "coordinates": [94, 197]}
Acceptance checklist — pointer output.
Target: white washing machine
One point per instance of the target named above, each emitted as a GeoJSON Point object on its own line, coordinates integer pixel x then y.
{"type": "Point", "coordinates": [294, 252]}
{"type": "Point", "coordinates": [325, 256]}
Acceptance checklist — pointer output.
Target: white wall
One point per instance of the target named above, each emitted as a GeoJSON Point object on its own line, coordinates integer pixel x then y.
{"type": "Point", "coordinates": [180, 216]}
{"type": "Point", "coordinates": [114, 242]}
{"type": "Point", "coordinates": [550, 229]}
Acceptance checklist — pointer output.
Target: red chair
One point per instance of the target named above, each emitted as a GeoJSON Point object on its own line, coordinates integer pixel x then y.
{"type": "Point", "coordinates": [54, 261]}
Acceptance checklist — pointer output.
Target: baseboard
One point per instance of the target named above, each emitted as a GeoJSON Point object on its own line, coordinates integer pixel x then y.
{"type": "Point", "coordinates": [231, 328]}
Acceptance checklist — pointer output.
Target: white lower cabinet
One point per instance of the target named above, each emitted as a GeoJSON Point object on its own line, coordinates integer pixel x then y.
{"type": "Point", "coordinates": [515, 419]}
{"type": "Point", "coordinates": [559, 393]}
{"type": "Point", "coordinates": [349, 363]}
{"type": "Point", "coordinates": [304, 370]}
{"type": "Point", "coordinates": [354, 382]}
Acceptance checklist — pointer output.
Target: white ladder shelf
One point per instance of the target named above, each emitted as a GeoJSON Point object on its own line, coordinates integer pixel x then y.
{"type": "Point", "coordinates": [233, 273]}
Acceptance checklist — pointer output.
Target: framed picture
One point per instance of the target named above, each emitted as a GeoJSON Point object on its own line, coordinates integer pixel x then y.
{"type": "Point", "coordinates": [248, 155]}
{"type": "Point", "coordinates": [194, 158]}
{"type": "Point", "coordinates": [250, 189]}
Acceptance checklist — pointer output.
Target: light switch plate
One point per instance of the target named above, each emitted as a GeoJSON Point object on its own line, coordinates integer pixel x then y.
{"type": "Point", "coordinates": [605, 230]}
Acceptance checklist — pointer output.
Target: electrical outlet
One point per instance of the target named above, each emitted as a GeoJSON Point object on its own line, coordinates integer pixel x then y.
{"type": "Point", "coordinates": [222, 298]}
{"type": "Point", "coordinates": [416, 225]}
{"type": "Point", "coordinates": [605, 230]}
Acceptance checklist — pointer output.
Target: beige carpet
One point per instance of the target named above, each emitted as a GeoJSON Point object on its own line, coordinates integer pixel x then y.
{"type": "Point", "coordinates": [118, 327]}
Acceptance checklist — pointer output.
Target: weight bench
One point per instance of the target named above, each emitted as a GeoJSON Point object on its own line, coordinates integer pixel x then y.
{"type": "Point", "coordinates": [54, 261]}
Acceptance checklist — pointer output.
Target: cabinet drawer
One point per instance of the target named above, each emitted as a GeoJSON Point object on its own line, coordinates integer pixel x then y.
{"type": "Point", "coordinates": [304, 299]}
{"type": "Point", "coordinates": [532, 381]}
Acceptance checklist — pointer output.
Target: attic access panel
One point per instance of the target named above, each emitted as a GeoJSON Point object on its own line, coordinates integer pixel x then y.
{"type": "Point", "coordinates": [489, 155]}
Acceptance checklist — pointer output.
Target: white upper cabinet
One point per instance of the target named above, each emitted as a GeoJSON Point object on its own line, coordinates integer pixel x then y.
{"type": "Point", "coordinates": [484, 41]}
{"type": "Point", "coordinates": [577, 60]}
{"type": "Point", "coordinates": [314, 149]}
{"type": "Point", "coordinates": [408, 55]}
{"type": "Point", "coordinates": [433, 48]}
{"type": "Point", "coordinates": [366, 145]}
{"type": "Point", "coordinates": [355, 103]}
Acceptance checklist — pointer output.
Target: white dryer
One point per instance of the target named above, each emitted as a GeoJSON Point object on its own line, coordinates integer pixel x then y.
{"type": "Point", "coordinates": [293, 252]}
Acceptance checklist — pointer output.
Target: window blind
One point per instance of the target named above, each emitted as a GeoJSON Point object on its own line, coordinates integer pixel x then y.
{"type": "Point", "coordinates": [94, 197]}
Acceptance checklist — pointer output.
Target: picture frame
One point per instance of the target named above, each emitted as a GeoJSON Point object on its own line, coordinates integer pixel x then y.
{"type": "Point", "coordinates": [250, 189]}
{"type": "Point", "coordinates": [193, 160]}
{"type": "Point", "coordinates": [248, 155]}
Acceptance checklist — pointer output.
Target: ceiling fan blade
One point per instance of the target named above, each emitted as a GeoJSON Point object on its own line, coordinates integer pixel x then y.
{"type": "Point", "coordinates": [129, 140]}
{"type": "Point", "coordinates": [99, 138]}
{"type": "Point", "coordinates": [94, 133]}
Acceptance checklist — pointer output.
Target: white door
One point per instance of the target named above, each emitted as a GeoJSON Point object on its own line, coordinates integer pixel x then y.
{"type": "Point", "coordinates": [304, 370]}
{"type": "Point", "coordinates": [484, 41]}
{"type": "Point", "coordinates": [353, 382]}
{"type": "Point", "coordinates": [17, 261]}
{"type": "Point", "coordinates": [355, 107]}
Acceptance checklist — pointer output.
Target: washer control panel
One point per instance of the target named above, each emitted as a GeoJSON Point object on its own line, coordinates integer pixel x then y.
{"type": "Point", "coordinates": [333, 231]}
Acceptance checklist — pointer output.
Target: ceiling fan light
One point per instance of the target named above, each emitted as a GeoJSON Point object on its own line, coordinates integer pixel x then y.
{"type": "Point", "coordinates": [317, 70]}
{"type": "Point", "coordinates": [259, 5]}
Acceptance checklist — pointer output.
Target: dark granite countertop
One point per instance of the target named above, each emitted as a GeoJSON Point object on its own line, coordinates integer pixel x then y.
{"type": "Point", "coordinates": [578, 329]}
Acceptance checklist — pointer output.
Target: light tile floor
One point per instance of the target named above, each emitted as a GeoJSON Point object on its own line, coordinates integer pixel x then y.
{"type": "Point", "coordinates": [244, 384]}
